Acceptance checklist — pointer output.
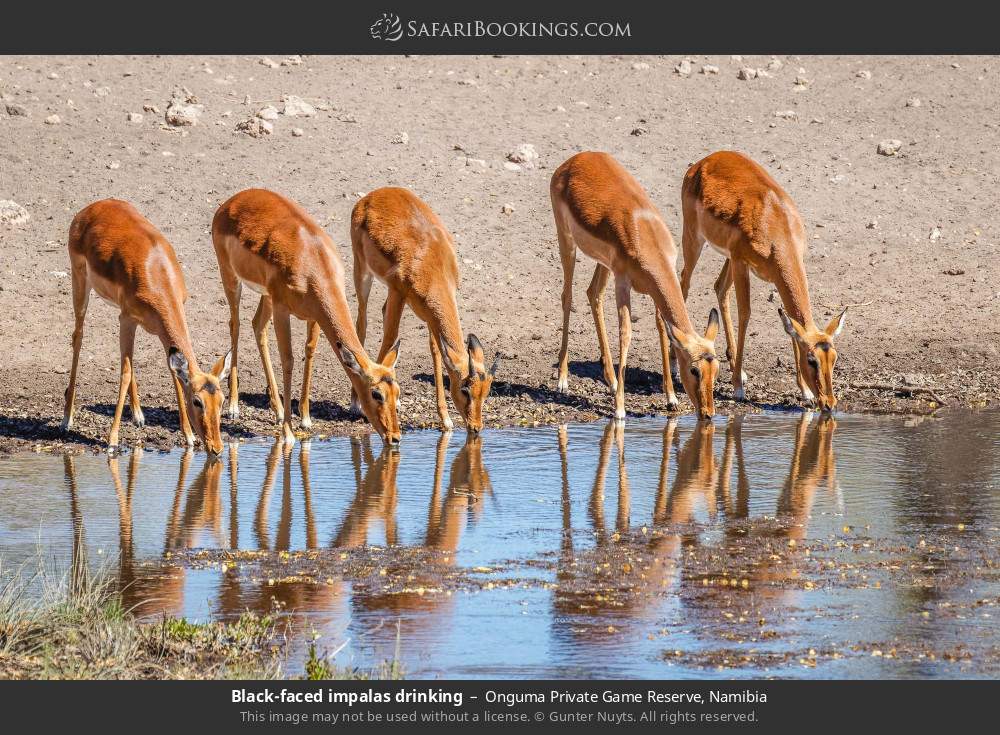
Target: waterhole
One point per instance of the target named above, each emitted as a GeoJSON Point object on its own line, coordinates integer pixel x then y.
{"type": "Point", "coordinates": [781, 544]}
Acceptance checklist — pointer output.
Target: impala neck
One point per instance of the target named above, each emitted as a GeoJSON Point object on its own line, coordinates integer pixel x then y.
{"type": "Point", "coordinates": [443, 321]}
{"type": "Point", "coordinates": [665, 290]}
{"type": "Point", "coordinates": [175, 334]}
{"type": "Point", "coordinates": [793, 288]}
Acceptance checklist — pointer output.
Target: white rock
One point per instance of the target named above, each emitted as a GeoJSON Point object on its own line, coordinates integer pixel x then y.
{"type": "Point", "coordinates": [297, 132]}
{"type": "Point", "coordinates": [934, 235]}
{"type": "Point", "coordinates": [12, 213]}
{"type": "Point", "coordinates": [183, 112]}
{"type": "Point", "coordinates": [683, 67]}
{"type": "Point", "coordinates": [640, 65]}
{"type": "Point", "coordinates": [889, 147]}
{"type": "Point", "coordinates": [786, 114]}
{"type": "Point", "coordinates": [255, 127]}
{"type": "Point", "coordinates": [293, 106]}
{"type": "Point", "coordinates": [524, 155]}
{"type": "Point", "coordinates": [507, 209]}
{"type": "Point", "coordinates": [510, 166]}
{"type": "Point", "coordinates": [52, 120]}
{"type": "Point", "coordinates": [476, 162]}
{"type": "Point", "coordinates": [746, 72]}
{"type": "Point", "coordinates": [269, 63]}
{"type": "Point", "coordinates": [801, 83]}
{"type": "Point", "coordinates": [113, 165]}
{"type": "Point", "coordinates": [102, 91]}
{"type": "Point", "coordinates": [293, 60]}
{"type": "Point", "coordinates": [709, 69]}
{"type": "Point", "coordinates": [400, 139]}
{"type": "Point", "coordinates": [134, 117]}
{"type": "Point", "coordinates": [775, 64]}
{"type": "Point", "coordinates": [151, 108]}
{"type": "Point", "coordinates": [53, 75]}
{"type": "Point", "coordinates": [913, 102]}
{"type": "Point", "coordinates": [864, 74]}
{"type": "Point", "coordinates": [270, 112]}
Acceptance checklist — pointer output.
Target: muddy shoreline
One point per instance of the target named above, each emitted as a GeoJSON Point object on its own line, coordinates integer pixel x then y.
{"type": "Point", "coordinates": [28, 425]}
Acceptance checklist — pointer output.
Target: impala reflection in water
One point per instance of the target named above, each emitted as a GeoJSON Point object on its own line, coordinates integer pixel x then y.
{"type": "Point", "coordinates": [796, 545]}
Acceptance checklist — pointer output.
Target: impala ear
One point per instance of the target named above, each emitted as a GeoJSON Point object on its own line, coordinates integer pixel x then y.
{"type": "Point", "coordinates": [476, 352]}
{"type": "Point", "coordinates": [496, 365]}
{"type": "Point", "coordinates": [836, 324]}
{"type": "Point", "coordinates": [350, 361]}
{"type": "Point", "coordinates": [389, 361]}
{"type": "Point", "coordinates": [712, 331]}
{"type": "Point", "coordinates": [179, 365]}
{"type": "Point", "coordinates": [677, 337]}
{"type": "Point", "coordinates": [446, 356]}
{"type": "Point", "coordinates": [794, 329]}
{"type": "Point", "coordinates": [221, 368]}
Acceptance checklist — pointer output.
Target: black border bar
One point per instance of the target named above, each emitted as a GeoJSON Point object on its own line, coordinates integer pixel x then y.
{"type": "Point", "coordinates": [310, 27]}
{"type": "Point", "coordinates": [896, 706]}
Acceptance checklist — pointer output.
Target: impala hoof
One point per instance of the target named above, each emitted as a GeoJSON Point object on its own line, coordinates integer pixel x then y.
{"type": "Point", "coordinates": [189, 440]}
{"type": "Point", "coordinates": [67, 424]}
{"type": "Point", "coordinates": [232, 413]}
{"type": "Point", "coordinates": [619, 414]}
{"type": "Point", "coordinates": [739, 394]}
{"type": "Point", "coordinates": [139, 419]}
{"type": "Point", "coordinates": [447, 424]}
{"type": "Point", "coordinates": [288, 438]}
{"type": "Point", "coordinates": [563, 385]}
{"type": "Point", "coordinates": [673, 404]}
{"type": "Point", "coordinates": [306, 423]}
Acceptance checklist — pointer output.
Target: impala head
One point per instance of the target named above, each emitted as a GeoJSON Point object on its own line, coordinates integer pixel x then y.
{"type": "Point", "coordinates": [377, 390]}
{"type": "Point", "coordinates": [471, 383]}
{"type": "Point", "coordinates": [203, 394]}
{"type": "Point", "coordinates": [698, 364]}
{"type": "Point", "coordinates": [817, 356]}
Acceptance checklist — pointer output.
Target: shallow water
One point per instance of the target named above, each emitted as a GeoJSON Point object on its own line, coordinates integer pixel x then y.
{"type": "Point", "coordinates": [787, 545]}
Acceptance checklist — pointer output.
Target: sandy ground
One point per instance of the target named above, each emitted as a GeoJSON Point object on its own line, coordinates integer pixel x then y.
{"type": "Point", "coordinates": [910, 239]}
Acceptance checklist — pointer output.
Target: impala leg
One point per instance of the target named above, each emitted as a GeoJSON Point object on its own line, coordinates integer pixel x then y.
{"type": "Point", "coordinates": [623, 297]}
{"type": "Point", "coordinates": [804, 390]}
{"type": "Point", "coordinates": [392, 313]}
{"type": "Point", "coordinates": [260, 320]}
{"type": "Point", "coordinates": [126, 341]}
{"type": "Point", "coordinates": [362, 289]}
{"type": "Point", "coordinates": [595, 295]}
{"type": "Point", "coordinates": [723, 287]}
{"type": "Point", "coordinates": [692, 246]}
{"type": "Point", "coordinates": [741, 280]}
{"type": "Point", "coordinates": [312, 340]}
{"type": "Point", "coordinates": [668, 379]}
{"type": "Point", "coordinates": [234, 290]}
{"type": "Point", "coordinates": [567, 254]}
{"type": "Point", "coordinates": [283, 335]}
{"type": "Point", "coordinates": [133, 389]}
{"type": "Point", "coordinates": [182, 414]}
{"type": "Point", "coordinates": [81, 298]}
{"type": "Point", "coordinates": [442, 402]}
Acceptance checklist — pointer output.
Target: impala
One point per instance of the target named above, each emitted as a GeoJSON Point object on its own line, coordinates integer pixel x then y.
{"type": "Point", "coordinates": [600, 208]}
{"type": "Point", "coordinates": [271, 245]}
{"type": "Point", "coordinates": [117, 252]}
{"type": "Point", "coordinates": [733, 204]}
{"type": "Point", "coordinates": [397, 238]}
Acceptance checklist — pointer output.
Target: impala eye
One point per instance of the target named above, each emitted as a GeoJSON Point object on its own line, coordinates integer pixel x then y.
{"type": "Point", "coordinates": [813, 362]}
{"type": "Point", "coordinates": [695, 371]}
{"type": "Point", "coordinates": [198, 403]}
{"type": "Point", "coordinates": [466, 391]}
{"type": "Point", "coordinates": [377, 395]}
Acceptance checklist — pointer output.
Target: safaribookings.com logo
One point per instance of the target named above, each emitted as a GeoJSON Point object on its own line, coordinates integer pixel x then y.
{"type": "Point", "coordinates": [390, 28]}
